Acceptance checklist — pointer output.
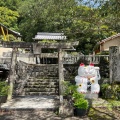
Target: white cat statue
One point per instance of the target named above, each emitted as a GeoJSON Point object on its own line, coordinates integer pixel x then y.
{"type": "Point", "coordinates": [95, 87]}
{"type": "Point", "coordinates": [81, 80]}
{"type": "Point", "coordinates": [90, 71]}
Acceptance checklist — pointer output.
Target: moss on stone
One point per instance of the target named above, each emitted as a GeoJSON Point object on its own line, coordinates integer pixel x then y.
{"type": "Point", "coordinates": [109, 111]}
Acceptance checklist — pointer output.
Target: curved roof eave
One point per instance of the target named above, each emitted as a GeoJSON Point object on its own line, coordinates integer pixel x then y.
{"type": "Point", "coordinates": [17, 34]}
{"type": "Point", "coordinates": [110, 38]}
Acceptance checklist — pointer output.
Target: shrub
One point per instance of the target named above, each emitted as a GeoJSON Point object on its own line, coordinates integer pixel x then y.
{"type": "Point", "coordinates": [78, 99]}
{"type": "Point", "coordinates": [4, 88]}
{"type": "Point", "coordinates": [81, 103]}
{"type": "Point", "coordinates": [110, 91]}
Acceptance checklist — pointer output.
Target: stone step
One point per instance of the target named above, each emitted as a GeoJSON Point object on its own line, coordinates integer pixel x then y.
{"type": "Point", "coordinates": [42, 80]}
{"type": "Point", "coordinates": [43, 77]}
{"type": "Point", "coordinates": [40, 93]}
{"type": "Point", "coordinates": [40, 86]}
{"type": "Point", "coordinates": [41, 102]}
{"type": "Point", "coordinates": [41, 89]}
{"type": "Point", "coordinates": [42, 83]}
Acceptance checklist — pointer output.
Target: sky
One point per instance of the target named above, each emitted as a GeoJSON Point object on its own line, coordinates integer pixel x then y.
{"type": "Point", "coordinates": [93, 3]}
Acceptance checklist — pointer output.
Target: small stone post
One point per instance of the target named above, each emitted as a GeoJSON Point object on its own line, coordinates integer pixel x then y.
{"type": "Point", "coordinates": [12, 72]}
{"type": "Point", "coordinates": [114, 63]}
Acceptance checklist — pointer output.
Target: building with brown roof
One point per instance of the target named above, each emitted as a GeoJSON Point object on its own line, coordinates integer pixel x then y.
{"type": "Point", "coordinates": [110, 41]}
{"type": "Point", "coordinates": [5, 31]}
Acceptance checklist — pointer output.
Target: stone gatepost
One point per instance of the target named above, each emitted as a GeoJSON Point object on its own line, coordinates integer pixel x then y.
{"type": "Point", "coordinates": [37, 52]}
{"type": "Point", "coordinates": [61, 74]}
{"type": "Point", "coordinates": [114, 63]}
{"type": "Point", "coordinates": [12, 75]}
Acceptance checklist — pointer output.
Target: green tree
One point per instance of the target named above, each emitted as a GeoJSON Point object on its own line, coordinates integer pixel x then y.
{"type": "Point", "coordinates": [44, 15]}
{"type": "Point", "coordinates": [11, 4]}
{"type": "Point", "coordinates": [110, 11]}
{"type": "Point", "coordinates": [82, 21]}
{"type": "Point", "coordinates": [9, 18]}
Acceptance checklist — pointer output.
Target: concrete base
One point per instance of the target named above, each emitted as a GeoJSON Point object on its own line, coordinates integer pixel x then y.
{"type": "Point", "coordinates": [88, 95]}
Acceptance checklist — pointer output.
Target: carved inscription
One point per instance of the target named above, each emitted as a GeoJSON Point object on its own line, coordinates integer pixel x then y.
{"type": "Point", "coordinates": [114, 64]}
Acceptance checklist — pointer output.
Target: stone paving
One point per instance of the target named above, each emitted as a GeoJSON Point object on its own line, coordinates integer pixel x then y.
{"type": "Point", "coordinates": [36, 115]}
{"type": "Point", "coordinates": [33, 108]}
{"type": "Point", "coordinates": [32, 102]}
{"type": "Point", "coordinates": [44, 108]}
{"type": "Point", "coordinates": [99, 103]}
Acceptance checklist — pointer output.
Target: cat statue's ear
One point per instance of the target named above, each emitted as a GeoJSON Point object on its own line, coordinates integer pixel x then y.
{"type": "Point", "coordinates": [81, 70]}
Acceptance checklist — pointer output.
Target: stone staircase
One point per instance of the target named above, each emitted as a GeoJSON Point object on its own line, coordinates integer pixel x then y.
{"type": "Point", "coordinates": [31, 108]}
{"type": "Point", "coordinates": [40, 94]}
{"type": "Point", "coordinates": [36, 89]}
{"type": "Point", "coordinates": [41, 86]}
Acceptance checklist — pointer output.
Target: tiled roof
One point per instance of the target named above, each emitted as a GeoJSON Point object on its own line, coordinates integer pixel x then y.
{"type": "Point", "coordinates": [110, 38]}
{"type": "Point", "coordinates": [10, 31]}
{"type": "Point", "coordinates": [50, 36]}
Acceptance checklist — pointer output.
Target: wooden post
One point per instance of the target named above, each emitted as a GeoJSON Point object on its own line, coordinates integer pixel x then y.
{"type": "Point", "coordinates": [114, 64]}
{"type": "Point", "coordinates": [12, 72]}
{"type": "Point", "coordinates": [61, 74]}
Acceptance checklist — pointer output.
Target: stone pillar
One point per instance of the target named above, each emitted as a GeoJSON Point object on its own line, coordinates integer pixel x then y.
{"type": "Point", "coordinates": [37, 52]}
{"type": "Point", "coordinates": [114, 63]}
{"type": "Point", "coordinates": [62, 107]}
{"type": "Point", "coordinates": [12, 72]}
{"type": "Point", "coordinates": [61, 74]}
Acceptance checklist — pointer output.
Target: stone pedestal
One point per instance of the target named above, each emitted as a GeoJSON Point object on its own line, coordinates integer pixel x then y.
{"type": "Point", "coordinates": [89, 95]}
